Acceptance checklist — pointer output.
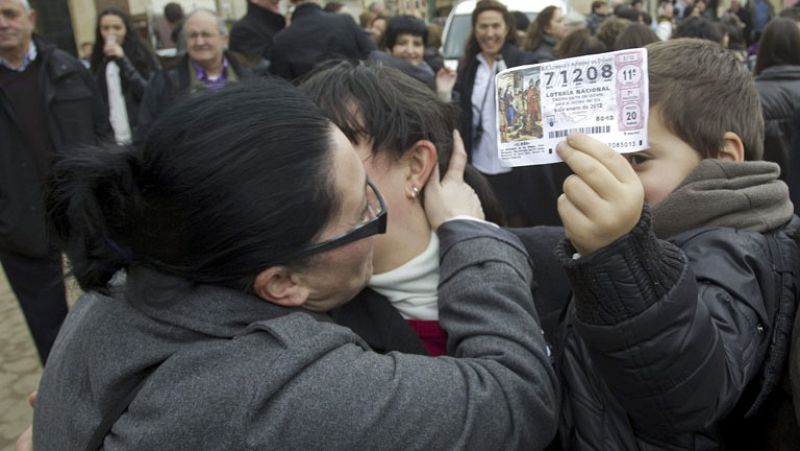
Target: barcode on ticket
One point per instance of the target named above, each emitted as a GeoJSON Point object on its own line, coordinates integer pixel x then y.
{"type": "Point", "coordinates": [588, 130]}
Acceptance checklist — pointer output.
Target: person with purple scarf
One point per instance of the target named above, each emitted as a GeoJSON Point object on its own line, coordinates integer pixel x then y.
{"type": "Point", "coordinates": [207, 65]}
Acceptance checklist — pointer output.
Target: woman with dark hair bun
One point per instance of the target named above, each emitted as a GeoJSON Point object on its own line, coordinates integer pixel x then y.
{"type": "Point", "coordinates": [209, 256]}
{"type": "Point", "coordinates": [777, 74]}
{"type": "Point", "coordinates": [122, 64]}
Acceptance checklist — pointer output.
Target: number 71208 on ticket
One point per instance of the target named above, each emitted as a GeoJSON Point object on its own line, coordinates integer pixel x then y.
{"type": "Point", "coordinates": [604, 95]}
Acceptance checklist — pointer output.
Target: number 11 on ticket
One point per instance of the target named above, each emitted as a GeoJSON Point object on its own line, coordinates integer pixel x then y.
{"type": "Point", "coordinates": [604, 95]}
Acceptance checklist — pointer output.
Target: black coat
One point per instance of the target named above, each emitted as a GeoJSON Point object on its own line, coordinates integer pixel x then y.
{"type": "Point", "coordinates": [134, 82]}
{"type": "Point", "coordinates": [252, 34]}
{"type": "Point", "coordinates": [316, 36]}
{"type": "Point", "coordinates": [76, 115]}
{"type": "Point", "coordinates": [540, 185]}
{"type": "Point", "coordinates": [779, 92]}
{"type": "Point", "coordinates": [692, 335]}
{"type": "Point", "coordinates": [793, 171]}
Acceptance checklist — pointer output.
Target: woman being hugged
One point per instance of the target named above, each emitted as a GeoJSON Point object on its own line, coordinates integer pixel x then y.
{"type": "Point", "coordinates": [122, 64]}
{"type": "Point", "coordinates": [209, 257]}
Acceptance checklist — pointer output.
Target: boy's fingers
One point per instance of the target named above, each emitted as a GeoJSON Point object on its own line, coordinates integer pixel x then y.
{"type": "Point", "coordinates": [576, 224]}
{"type": "Point", "coordinates": [582, 196]}
{"type": "Point", "coordinates": [458, 159]}
{"type": "Point", "coordinates": [608, 157]}
{"type": "Point", "coordinates": [590, 170]}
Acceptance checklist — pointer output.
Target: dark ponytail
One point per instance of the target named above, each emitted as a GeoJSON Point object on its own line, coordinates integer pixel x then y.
{"type": "Point", "coordinates": [90, 202]}
{"type": "Point", "coordinates": [226, 184]}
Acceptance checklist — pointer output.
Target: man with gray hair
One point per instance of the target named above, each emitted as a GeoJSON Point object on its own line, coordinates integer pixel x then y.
{"type": "Point", "coordinates": [48, 104]}
{"type": "Point", "coordinates": [205, 66]}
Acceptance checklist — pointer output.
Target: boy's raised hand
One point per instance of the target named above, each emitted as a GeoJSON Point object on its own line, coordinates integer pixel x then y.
{"type": "Point", "coordinates": [603, 200]}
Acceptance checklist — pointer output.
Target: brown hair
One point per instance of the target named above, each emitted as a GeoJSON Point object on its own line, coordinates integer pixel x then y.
{"type": "Point", "coordinates": [702, 91]}
{"type": "Point", "coordinates": [578, 43]}
{"type": "Point", "coordinates": [473, 48]}
{"type": "Point", "coordinates": [536, 28]}
{"type": "Point", "coordinates": [365, 19]}
{"type": "Point", "coordinates": [780, 44]}
{"type": "Point", "coordinates": [610, 29]}
{"type": "Point", "coordinates": [634, 36]}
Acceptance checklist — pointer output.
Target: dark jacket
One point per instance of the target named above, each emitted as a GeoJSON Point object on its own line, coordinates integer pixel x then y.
{"type": "Point", "coordinates": [168, 86]}
{"type": "Point", "coordinates": [76, 115]}
{"type": "Point", "coordinates": [593, 21]}
{"type": "Point", "coordinates": [134, 83]}
{"type": "Point", "coordinates": [252, 34]}
{"type": "Point", "coordinates": [706, 318]}
{"type": "Point", "coordinates": [226, 370]}
{"type": "Point", "coordinates": [779, 92]}
{"type": "Point", "coordinates": [541, 184]}
{"type": "Point", "coordinates": [546, 50]}
{"type": "Point", "coordinates": [793, 171]}
{"type": "Point", "coordinates": [316, 36]}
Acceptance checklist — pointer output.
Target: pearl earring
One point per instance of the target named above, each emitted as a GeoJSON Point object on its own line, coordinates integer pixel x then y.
{"type": "Point", "coordinates": [414, 192]}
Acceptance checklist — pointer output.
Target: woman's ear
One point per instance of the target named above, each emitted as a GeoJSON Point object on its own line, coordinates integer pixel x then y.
{"type": "Point", "coordinates": [732, 147]}
{"type": "Point", "coordinates": [422, 160]}
{"type": "Point", "coordinates": [280, 285]}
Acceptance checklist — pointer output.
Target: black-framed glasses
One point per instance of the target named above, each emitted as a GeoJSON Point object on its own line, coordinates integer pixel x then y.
{"type": "Point", "coordinates": [374, 224]}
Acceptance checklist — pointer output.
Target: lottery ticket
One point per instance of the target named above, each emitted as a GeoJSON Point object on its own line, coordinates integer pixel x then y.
{"type": "Point", "coordinates": [604, 95]}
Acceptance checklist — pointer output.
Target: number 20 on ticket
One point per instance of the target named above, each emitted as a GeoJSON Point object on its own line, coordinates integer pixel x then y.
{"type": "Point", "coordinates": [604, 95]}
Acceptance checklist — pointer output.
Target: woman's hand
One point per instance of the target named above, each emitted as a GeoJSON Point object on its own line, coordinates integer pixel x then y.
{"type": "Point", "coordinates": [113, 50]}
{"type": "Point", "coordinates": [445, 81]}
{"type": "Point", "coordinates": [603, 200]}
{"type": "Point", "coordinates": [451, 196]}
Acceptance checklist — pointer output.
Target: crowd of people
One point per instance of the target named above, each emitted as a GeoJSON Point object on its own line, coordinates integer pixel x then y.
{"type": "Point", "coordinates": [299, 235]}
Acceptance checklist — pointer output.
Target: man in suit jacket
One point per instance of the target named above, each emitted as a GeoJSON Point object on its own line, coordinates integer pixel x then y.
{"type": "Point", "coordinates": [315, 36]}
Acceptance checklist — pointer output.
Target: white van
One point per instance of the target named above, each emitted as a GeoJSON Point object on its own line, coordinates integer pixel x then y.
{"type": "Point", "coordinates": [459, 23]}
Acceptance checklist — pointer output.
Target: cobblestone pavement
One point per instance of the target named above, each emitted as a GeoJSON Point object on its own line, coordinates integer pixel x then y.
{"type": "Point", "coordinates": [19, 367]}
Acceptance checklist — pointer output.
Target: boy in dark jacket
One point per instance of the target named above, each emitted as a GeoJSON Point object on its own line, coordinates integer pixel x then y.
{"type": "Point", "coordinates": [678, 333]}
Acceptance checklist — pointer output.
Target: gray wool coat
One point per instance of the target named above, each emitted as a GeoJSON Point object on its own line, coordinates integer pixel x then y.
{"type": "Point", "coordinates": [227, 371]}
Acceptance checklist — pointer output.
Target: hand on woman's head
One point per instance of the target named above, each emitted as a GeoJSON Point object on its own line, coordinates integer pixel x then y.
{"type": "Point", "coordinates": [452, 196]}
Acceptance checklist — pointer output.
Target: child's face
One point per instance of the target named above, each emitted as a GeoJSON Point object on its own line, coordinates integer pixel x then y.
{"type": "Point", "coordinates": [667, 162]}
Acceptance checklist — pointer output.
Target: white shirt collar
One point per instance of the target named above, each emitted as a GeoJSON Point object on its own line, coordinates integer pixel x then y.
{"type": "Point", "coordinates": [29, 57]}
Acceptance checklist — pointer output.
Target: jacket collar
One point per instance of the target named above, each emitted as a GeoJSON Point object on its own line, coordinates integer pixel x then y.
{"type": "Point", "coordinates": [212, 310]}
{"type": "Point", "coordinates": [373, 318]}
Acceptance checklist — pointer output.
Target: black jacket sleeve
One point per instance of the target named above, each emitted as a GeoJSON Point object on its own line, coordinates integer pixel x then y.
{"type": "Point", "coordinates": [150, 109]}
{"type": "Point", "coordinates": [675, 333]}
{"type": "Point", "coordinates": [102, 126]}
{"type": "Point", "coordinates": [136, 81]}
